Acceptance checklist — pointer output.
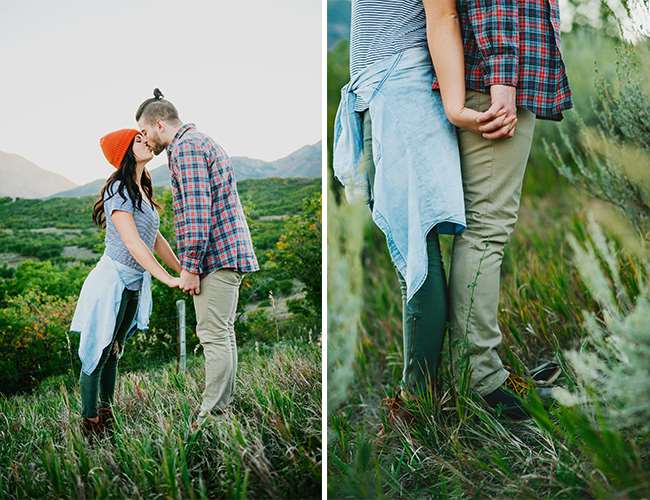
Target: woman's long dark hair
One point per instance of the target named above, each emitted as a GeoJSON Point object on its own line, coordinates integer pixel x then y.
{"type": "Point", "coordinates": [125, 174]}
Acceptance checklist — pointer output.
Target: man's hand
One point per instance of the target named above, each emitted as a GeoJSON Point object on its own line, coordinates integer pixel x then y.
{"type": "Point", "coordinates": [502, 110]}
{"type": "Point", "coordinates": [190, 283]}
{"type": "Point", "coordinates": [467, 118]}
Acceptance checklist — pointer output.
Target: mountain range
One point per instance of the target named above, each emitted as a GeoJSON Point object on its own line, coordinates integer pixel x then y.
{"type": "Point", "coordinates": [24, 179]}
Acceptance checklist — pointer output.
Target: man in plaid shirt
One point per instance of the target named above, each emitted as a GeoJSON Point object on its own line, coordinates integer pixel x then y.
{"type": "Point", "coordinates": [513, 73]}
{"type": "Point", "coordinates": [213, 240]}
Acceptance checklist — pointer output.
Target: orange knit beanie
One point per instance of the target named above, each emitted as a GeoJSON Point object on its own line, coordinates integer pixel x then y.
{"type": "Point", "coordinates": [115, 144]}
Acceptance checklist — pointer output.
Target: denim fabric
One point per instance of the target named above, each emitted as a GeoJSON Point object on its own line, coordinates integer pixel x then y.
{"type": "Point", "coordinates": [417, 184]}
{"type": "Point", "coordinates": [424, 317]}
{"type": "Point", "coordinates": [102, 380]}
{"type": "Point", "coordinates": [98, 306]}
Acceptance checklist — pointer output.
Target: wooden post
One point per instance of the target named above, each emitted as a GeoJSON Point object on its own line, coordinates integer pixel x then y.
{"type": "Point", "coordinates": [182, 358]}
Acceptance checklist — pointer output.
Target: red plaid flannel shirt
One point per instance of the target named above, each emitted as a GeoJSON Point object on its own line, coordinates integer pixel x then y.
{"type": "Point", "coordinates": [211, 228]}
{"type": "Point", "coordinates": [516, 43]}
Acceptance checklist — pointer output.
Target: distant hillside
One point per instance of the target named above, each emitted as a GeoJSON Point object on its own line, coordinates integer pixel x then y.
{"type": "Point", "coordinates": [22, 178]}
{"type": "Point", "coordinates": [305, 162]}
{"type": "Point", "coordinates": [338, 21]}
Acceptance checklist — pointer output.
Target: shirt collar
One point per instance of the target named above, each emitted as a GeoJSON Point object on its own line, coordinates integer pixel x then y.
{"type": "Point", "coordinates": [181, 131]}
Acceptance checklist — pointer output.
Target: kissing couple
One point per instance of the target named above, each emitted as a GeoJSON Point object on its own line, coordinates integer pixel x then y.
{"type": "Point", "coordinates": [215, 251]}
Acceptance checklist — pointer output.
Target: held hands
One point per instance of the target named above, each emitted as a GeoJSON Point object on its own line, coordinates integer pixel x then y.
{"type": "Point", "coordinates": [502, 111]}
{"type": "Point", "coordinates": [496, 122]}
{"type": "Point", "coordinates": [468, 119]}
{"type": "Point", "coordinates": [172, 282]}
{"type": "Point", "coordinates": [190, 283]}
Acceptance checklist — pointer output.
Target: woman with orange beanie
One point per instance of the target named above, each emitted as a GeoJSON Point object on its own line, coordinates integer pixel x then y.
{"type": "Point", "coordinates": [115, 299]}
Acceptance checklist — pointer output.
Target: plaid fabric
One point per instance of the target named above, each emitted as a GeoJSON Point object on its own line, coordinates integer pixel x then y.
{"type": "Point", "coordinates": [516, 43]}
{"type": "Point", "coordinates": [211, 228]}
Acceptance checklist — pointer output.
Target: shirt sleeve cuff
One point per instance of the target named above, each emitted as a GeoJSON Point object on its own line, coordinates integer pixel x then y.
{"type": "Point", "coordinates": [500, 70]}
{"type": "Point", "coordinates": [190, 264]}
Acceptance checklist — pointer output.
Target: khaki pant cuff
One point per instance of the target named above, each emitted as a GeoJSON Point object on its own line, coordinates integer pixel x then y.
{"type": "Point", "coordinates": [492, 383]}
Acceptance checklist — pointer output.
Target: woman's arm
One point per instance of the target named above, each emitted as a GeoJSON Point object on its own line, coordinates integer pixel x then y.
{"type": "Point", "coordinates": [446, 49]}
{"type": "Point", "coordinates": [165, 252]}
{"type": "Point", "coordinates": [126, 228]}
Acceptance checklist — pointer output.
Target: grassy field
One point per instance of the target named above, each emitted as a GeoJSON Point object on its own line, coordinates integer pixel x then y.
{"type": "Point", "coordinates": [454, 447]}
{"type": "Point", "coordinates": [269, 445]}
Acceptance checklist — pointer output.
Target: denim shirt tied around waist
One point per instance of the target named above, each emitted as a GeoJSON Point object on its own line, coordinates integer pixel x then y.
{"type": "Point", "coordinates": [98, 305]}
{"type": "Point", "coordinates": [417, 184]}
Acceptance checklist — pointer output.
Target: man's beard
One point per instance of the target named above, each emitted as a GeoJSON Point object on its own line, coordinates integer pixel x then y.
{"type": "Point", "coordinates": [157, 149]}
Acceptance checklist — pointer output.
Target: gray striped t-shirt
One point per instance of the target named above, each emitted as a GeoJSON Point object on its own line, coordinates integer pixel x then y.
{"type": "Point", "coordinates": [147, 222]}
{"type": "Point", "coordinates": [382, 28]}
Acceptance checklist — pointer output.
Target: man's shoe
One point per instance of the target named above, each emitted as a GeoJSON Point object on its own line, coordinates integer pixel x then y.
{"type": "Point", "coordinates": [91, 429]}
{"type": "Point", "coordinates": [507, 399]}
{"type": "Point", "coordinates": [545, 374]}
{"type": "Point", "coordinates": [203, 418]}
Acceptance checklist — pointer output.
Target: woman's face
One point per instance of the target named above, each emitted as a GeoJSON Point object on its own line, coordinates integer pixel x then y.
{"type": "Point", "coordinates": [140, 149]}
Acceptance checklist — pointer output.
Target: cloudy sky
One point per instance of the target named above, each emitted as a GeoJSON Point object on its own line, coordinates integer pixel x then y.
{"type": "Point", "coordinates": [247, 73]}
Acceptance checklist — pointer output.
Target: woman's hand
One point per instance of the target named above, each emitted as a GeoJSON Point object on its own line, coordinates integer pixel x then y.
{"type": "Point", "coordinates": [468, 119]}
{"type": "Point", "coordinates": [173, 282]}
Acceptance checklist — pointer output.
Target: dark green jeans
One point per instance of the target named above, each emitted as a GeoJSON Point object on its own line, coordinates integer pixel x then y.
{"type": "Point", "coordinates": [101, 382]}
{"type": "Point", "coordinates": [424, 317]}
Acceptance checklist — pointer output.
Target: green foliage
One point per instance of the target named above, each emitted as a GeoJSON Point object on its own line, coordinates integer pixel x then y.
{"type": "Point", "coordinates": [63, 213]}
{"type": "Point", "coordinates": [51, 279]}
{"type": "Point", "coordinates": [610, 159]}
{"type": "Point", "coordinates": [268, 445]}
{"type": "Point", "coordinates": [298, 250]}
{"type": "Point", "coordinates": [34, 343]}
{"type": "Point", "coordinates": [607, 402]}
{"type": "Point", "coordinates": [337, 75]}
{"type": "Point", "coordinates": [345, 241]}
{"type": "Point", "coordinates": [276, 196]}
{"type": "Point", "coordinates": [611, 368]}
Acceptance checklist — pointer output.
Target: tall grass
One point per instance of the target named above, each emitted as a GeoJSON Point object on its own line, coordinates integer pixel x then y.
{"type": "Point", "coordinates": [268, 445]}
{"type": "Point", "coordinates": [454, 447]}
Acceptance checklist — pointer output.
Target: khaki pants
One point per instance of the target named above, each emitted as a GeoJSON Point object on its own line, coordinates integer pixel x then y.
{"type": "Point", "coordinates": [215, 308]}
{"type": "Point", "coordinates": [493, 173]}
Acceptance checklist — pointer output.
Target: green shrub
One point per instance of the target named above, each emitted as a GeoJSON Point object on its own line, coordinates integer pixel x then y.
{"type": "Point", "coordinates": [34, 343]}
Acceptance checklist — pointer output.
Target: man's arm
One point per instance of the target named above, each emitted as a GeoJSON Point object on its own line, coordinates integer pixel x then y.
{"type": "Point", "coordinates": [196, 200]}
{"type": "Point", "coordinates": [495, 24]}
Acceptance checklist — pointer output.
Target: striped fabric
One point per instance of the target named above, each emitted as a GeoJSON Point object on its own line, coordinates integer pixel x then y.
{"type": "Point", "coordinates": [147, 222]}
{"type": "Point", "coordinates": [517, 43]}
{"type": "Point", "coordinates": [211, 228]}
{"type": "Point", "coordinates": [382, 28]}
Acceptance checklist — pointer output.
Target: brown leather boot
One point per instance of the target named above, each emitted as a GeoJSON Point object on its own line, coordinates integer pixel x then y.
{"type": "Point", "coordinates": [91, 429]}
{"type": "Point", "coordinates": [106, 418]}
